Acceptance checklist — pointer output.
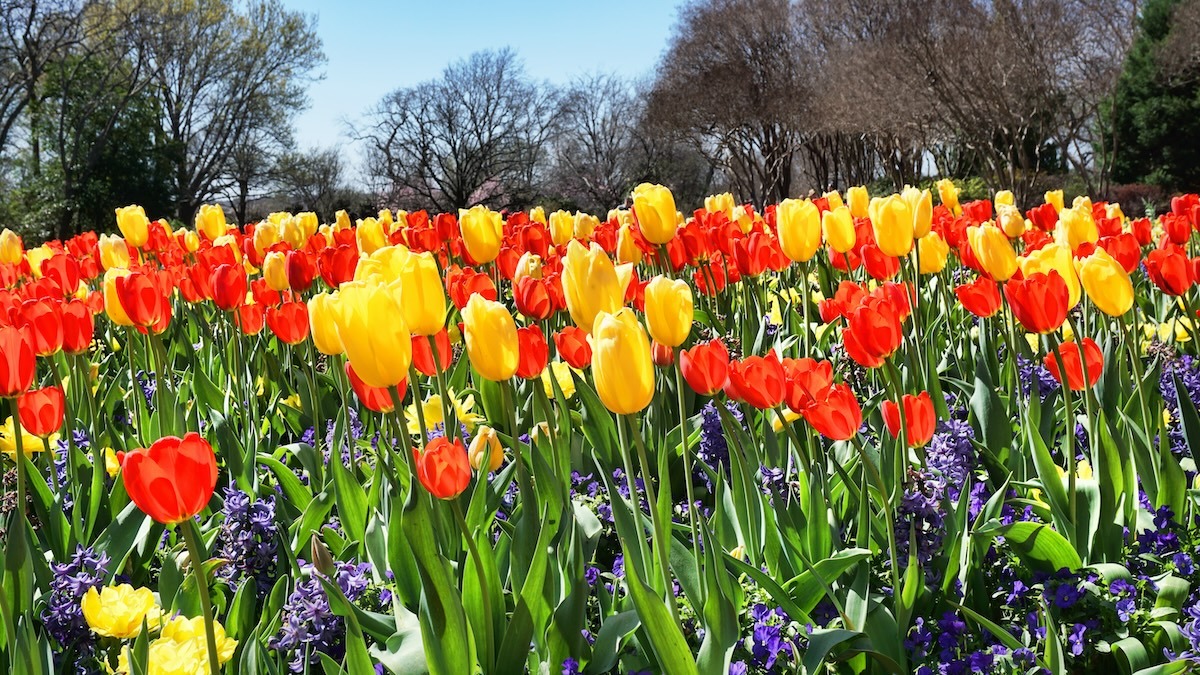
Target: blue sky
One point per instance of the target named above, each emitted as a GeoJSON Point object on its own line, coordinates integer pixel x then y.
{"type": "Point", "coordinates": [375, 47]}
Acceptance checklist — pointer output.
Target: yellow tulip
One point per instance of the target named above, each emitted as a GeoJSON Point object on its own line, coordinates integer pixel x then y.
{"type": "Point", "coordinates": [210, 220]}
{"type": "Point", "coordinates": [722, 203]}
{"type": "Point", "coordinates": [838, 227]}
{"type": "Point", "coordinates": [182, 649]}
{"type": "Point", "coordinates": [591, 284]}
{"type": "Point", "coordinates": [322, 309]}
{"type": "Point", "coordinates": [948, 194]}
{"type": "Point", "coordinates": [669, 310]}
{"type": "Point", "coordinates": [134, 225]}
{"type": "Point", "coordinates": [799, 225]}
{"type": "Point", "coordinates": [621, 362]}
{"type": "Point", "coordinates": [858, 199]}
{"type": "Point", "coordinates": [528, 265]}
{"type": "Point", "coordinates": [1106, 283]}
{"type": "Point", "coordinates": [275, 271]}
{"type": "Point", "coordinates": [292, 231]}
{"type": "Point", "coordinates": [834, 199]}
{"type": "Point", "coordinates": [655, 208]}
{"type": "Point", "coordinates": [1004, 198]}
{"type": "Point", "coordinates": [370, 236]}
{"type": "Point", "coordinates": [113, 252]}
{"type": "Point", "coordinates": [894, 227]}
{"type": "Point", "coordinates": [1114, 211]}
{"type": "Point", "coordinates": [485, 453]}
{"type": "Point", "coordinates": [182, 630]}
{"type": "Point", "coordinates": [422, 295]}
{"type": "Point", "coordinates": [191, 240]}
{"type": "Point", "coordinates": [1076, 227]}
{"type": "Point", "coordinates": [30, 443]}
{"type": "Point", "coordinates": [482, 230]}
{"type": "Point", "coordinates": [1010, 220]}
{"type": "Point", "coordinates": [1055, 199]}
{"type": "Point", "coordinates": [920, 203]}
{"type": "Point", "coordinates": [491, 337]}
{"type": "Point", "coordinates": [36, 256]}
{"type": "Point", "coordinates": [112, 304]}
{"type": "Point", "coordinates": [562, 227]}
{"type": "Point", "coordinates": [371, 326]}
{"type": "Point", "coordinates": [993, 251]}
{"type": "Point", "coordinates": [585, 224]}
{"type": "Point", "coordinates": [538, 215]}
{"type": "Point", "coordinates": [341, 220]}
{"type": "Point", "coordinates": [931, 253]}
{"type": "Point", "coordinates": [118, 611]}
{"type": "Point", "coordinates": [266, 235]}
{"type": "Point", "coordinates": [386, 220]}
{"type": "Point", "coordinates": [562, 374]}
{"type": "Point", "coordinates": [1054, 257]}
{"type": "Point", "coordinates": [627, 248]}
{"type": "Point", "coordinates": [11, 249]}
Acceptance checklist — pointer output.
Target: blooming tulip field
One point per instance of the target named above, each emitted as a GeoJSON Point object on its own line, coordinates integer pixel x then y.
{"type": "Point", "coordinates": [851, 434]}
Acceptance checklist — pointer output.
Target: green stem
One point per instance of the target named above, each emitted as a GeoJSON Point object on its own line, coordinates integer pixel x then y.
{"type": "Point", "coordinates": [662, 538]}
{"type": "Point", "coordinates": [1068, 415]}
{"type": "Point", "coordinates": [687, 472]}
{"type": "Point", "coordinates": [191, 536]}
{"type": "Point", "coordinates": [473, 549]}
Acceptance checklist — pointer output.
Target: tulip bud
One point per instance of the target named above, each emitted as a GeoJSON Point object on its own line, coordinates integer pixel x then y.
{"type": "Point", "coordinates": [266, 235]}
{"type": "Point", "coordinates": [341, 220]}
{"type": "Point", "coordinates": [210, 220]}
{"type": "Point", "coordinates": [722, 203]}
{"type": "Point", "coordinates": [920, 204]}
{"type": "Point", "coordinates": [322, 309]}
{"type": "Point", "coordinates": [482, 230]}
{"type": "Point", "coordinates": [661, 354]}
{"type": "Point", "coordinates": [485, 453]}
{"type": "Point", "coordinates": [655, 209]}
{"type": "Point", "coordinates": [491, 337]}
{"type": "Point", "coordinates": [585, 224]}
{"type": "Point", "coordinates": [370, 236]}
{"type": "Point", "coordinates": [857, 199]}
{"type": "Point", "coordinates": [275, 271]}
{"type": "Point", "coordinates": [621, 362]}
{"type": "Point", "coordinates": [1010, 219]}
{"type": "Point", "coordinates": [562, 227]}
{"type": "Point", "coordinates": [421, 294]}
{"type": "Point", "coordinates": [932, 251]}
{"type": "Point", "coordinates": [1004, 198]}
{"type": "Point", "coordinates": [669, 310]}
{"type": "Point", "coordinates": [11, 249]}
{"type": "Point", "coordinates": [627, 248]}
{"type": "Point", "coordinates": [1106, 283]}
{"type": "Point", "coordinates": [371, 326]}
{"type": "Point", "coordinates": [134, 225]}
{"type": "Point", "coordinates": [893, 224]}
{"type": "Point", "coordinates": [590, 283]}
{"type": "Point", "coordinates": [993, 251]}
{"type": "Point", "coordinates": [799, 225]}
{"type": "Point", "coordinates": [838, 226]}
{"type": "Point", "coordinates": [1055, 199]}
{"type": "Point", "coordinates": [948, 194]}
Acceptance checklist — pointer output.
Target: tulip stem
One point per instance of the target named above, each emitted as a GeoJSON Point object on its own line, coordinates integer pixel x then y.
{"type": "Point", "coordinates": [523, 479]}
{"type": "Point", "coordinates": [662, 539]}
{"type": "Point", "coordinates": [476, 560]}
{"type": "Point", "coordinates": [314, 400]}
{"type": "Point", "coordinates": [1068, 413]}
{"type": "Point", "coordinates": [634, 501]}
{"type": "Point", "coordinates": [688, 478]}
{"type": "Point", "coordinates": [68, 430]}
{"type": "Point", "coordinates": [191, 537]}
{"type": "Point", "coordinates": [98, 458]}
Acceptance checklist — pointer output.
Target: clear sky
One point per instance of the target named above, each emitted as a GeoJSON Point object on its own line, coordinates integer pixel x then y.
{"type": "Point", "coordinates": [374, 47]}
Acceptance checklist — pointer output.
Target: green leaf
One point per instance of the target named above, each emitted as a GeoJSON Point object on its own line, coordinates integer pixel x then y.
{"type": "Point", "coordinates": [608, 641]}
{"type": "Point", "coordinates": [1189, 419]}
{"type": "Point", "coordinates": [666, 640]}
{"type": "Point", "coordinates": [821, 642]}
{"type": "Point", "coordinates": [1037, 544]}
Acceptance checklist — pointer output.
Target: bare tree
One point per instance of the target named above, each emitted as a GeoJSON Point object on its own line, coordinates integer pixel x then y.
{"type": "Point", "coordinates": [314, 181]}
{"type": "Point", "coordinates": [474, 136]}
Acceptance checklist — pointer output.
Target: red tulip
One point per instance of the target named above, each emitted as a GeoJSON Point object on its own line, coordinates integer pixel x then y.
{"type": "Point", "coordinates": [533, 352]}
{"type": "Point", "coordinates": [229, 286]}
{"type": "Point", "coordinates": [844, 300]}
{"type": "Point", "coordinates": [879, 265]}
{"type": "Point", "coordinates": [338, 263]}
{"type": "Point", "coordinates": [17, 361]}
{"type": "Point", "coordinates": [532, 298]}
{"type": "Point", "coordinates": [1045, 217]}
{"type": "Point", "coordinates": [808, 381]}
{"type": "Point", "coordinates": [45, 322]}
{"type": "Point", "coordinates": [873, 332]}
{"type": "Point", "coordinates": [1168, 268]}
{"type": "Point", "coordinates": [1123, 248]}
{"type": "Point", "coordinates": [144, 299]}
{"type": "Point", "coordinates": [705, 367]}
{"type": "Point", "coordinates": [250, 318]}
{"type": "Point", "coordinates": [752, 254]}
{"type": "Point", "coordinates": [422, 353]}
{"type": "Point", "coordinates": [920, 420]}
{"type": "Point", "coordinates": [378, 399]}
{"type": "Point", "coordinates": [1177, 229]}
{"type": "Point", "coordinates": [289, 322]}
{"type": "Point", "coordinates": [42, 410]}
{"type": "Point", "coordinates": [173, 480]}
{"type": "Point", "coordinates": [64, 271]}
{"type": "Point", "coordinates": [980, 297]}
{"type": "Point", "coordinates": [837, 416]}
{"type": "Point", "coordinates": [300, 270]}
{"type": "Point", "coordinates": [461, 284]}
{"type": "Point", "coordinates": [1038, 301]}
{"type": "Point", "coordinates": [758, 380]}
{"type": "Point", "coordinates": [79, 327]}
{"type": "Point", "coordinates": [1069, 351]}
{"type": "Point", "coordinates": [572, 345]}
{"type": "Point", "coordinates": [662, 355]}
{"type": "Point", "coordinates": [443, 468]}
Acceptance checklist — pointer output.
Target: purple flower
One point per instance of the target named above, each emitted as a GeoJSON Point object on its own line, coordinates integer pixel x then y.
{"type": "Point", "coordinates": [310, 627]}
{"type": "Point", "coordinates": [63, 615]}
{"type": "Point", "coordinates": [249, 538]}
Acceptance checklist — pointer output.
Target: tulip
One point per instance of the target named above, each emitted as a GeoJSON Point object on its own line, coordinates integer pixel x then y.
{"type": "Point", "coordinates": [873, 332]}
{"type": "Point", "coordinates": [11, 249]}
{"type": "Point", "coordinates": [857, 199]}
{"type": "Point", "coordinates": [461, 284]}
{"type": "Point", "coordinates": [993, 251]}
{"type": "Point", "coordinates": [1039, 302]}
{"type": "Point", "coordinates": [948, 194]}
{"type": "Point", "coordinates": [837, 416]}
{"type": "Point", "coordinates": [378, 399]}
{"type": "Point", "coordinates": [491, 337]}
{"type": "Point", "coordinates": [528, 265]}
{"type": "Point", "coordinates": [799, 224]}
{"type": "Point", "coordinates": [421, 294]}
{"type": "Point", "coordinates": [119, 611]}
{"type": "Point", "coordinates": [250, 318]}
{"type": "Point", "coordinates": [1070, 353]}
{"type": "Point", "coordinates": [1011, 221]}
{"type": "Point", "coordinates": [932, 252]}
{"type": "Point", "coordinates": [423, 357]}
{"type": "Point", "coordinates": [322, 309]}
{"type": "Point", "coordinates": [573, 346]}
{"type": "Point", "coordinates": [661, 355]}
{"type": "Point", "coordinates": [585, 225]}
{"type": "Point", "coordinates": [980, 297]}
{"type": "Point", "coordinates": [656, 215]}
{"type": "Point", "coordinates": [113, 252]}
{"type": "Point", "coordinates": [807, 381]}
{"type": "Point", "coordinates": [722, 203]}
{"type": "Point", "coordinates": [621, 362]}
{"type": "Point", "coordinates": [289, 322]}
{"type": "Point", "coordinates": [1168, 268]}
{"type": "Point", "coordinates": [300, 271]}
{"type": "Point", "coordinates": [833, 198]}
{"type": "Point", "coordinates": [1075, 228]}
{"type": "Point", "coordinates": [17, 361]}
{"type": "Point", "coordinates": [370, 235]}
{"type": "Point", "coordinates": [669, 310]}
{"type": "Point", "coordinates": [42, 410]}
{"type": "Point", "coordinates": [705, 367]}
{"type": "Point", "coordinates": [627, 248]}
{"type": "Point", "coordinates": [482, 230]}
{"type": "Point", "coordinates": [562, 227]}
{"type": "Point", "coordinates": [43, 319]}
{"type": "Point", "coordinates": [920, 204]}
{"type": "Point", "coordinates": [1056, 257]}
{"type": "Point", "coordinates": [591, 284]}
{"type": "Point", "coordinates": [112, 303]}
{"type": "Point", "coordinates": [532, 298]}
{"type": "Point", "coordinates": [838, 227]}
{"type": "Point", "coordinates": [533, 352]}
{"type": "Point", "coordinates": [1106, 283]}
{"type": "Point", "coordinates": [1004, 198]}
{"type": "Point", "coordinates": [485, 453]}
{"type": "Point", "coordinates": [1055, 198]}
{"type": "Point", "coordinates": [443, 468]}
{"type": "Point", "coordinates": [134, 225]}
{"type": "Point", "coordinates": [142, 298]}
{"type": "Point", "coordinates": [229, 285]}
{"type": "Point", "coordinates": [78, 327]}
{"type": "Point", "coordinates": [173, 479]}
{"type": "Point", "coordinates": [210, 220]}
{"type": "Point", "coordinates": [372, 330]}
{"type": "Point", "coordinates": [275, 270]}
{"type": "Point", "coordinates": [920, 419]}
{"type": "Point", "coordinates": [759, 381]}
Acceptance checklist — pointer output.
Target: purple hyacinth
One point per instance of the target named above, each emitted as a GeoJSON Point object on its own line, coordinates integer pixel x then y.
{"type": "Point", "coordinates": [310, 627]}
{"type": "Point", "coordinates": [952, 454]}
{"type": "Point", "coordinates": [248, 538]}
{"type": "Point", "coordinates": [1030, 373]}
{"type": "Point", "coordinates": [920, 520]}
{"type": "Point", "coordinates": [714, 449]}
{"type": "Point", "coordinates": [63, 616]}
